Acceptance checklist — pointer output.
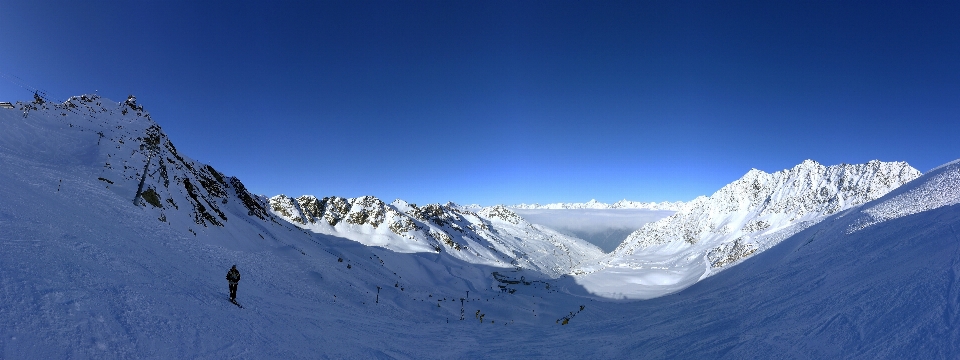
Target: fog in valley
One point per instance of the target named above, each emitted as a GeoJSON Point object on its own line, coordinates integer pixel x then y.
{"type": "Point", "coordinates": [605, 228]}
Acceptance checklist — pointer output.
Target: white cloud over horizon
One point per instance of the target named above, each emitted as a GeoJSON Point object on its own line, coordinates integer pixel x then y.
{"type": "Point", "coordinates": [605, 228]}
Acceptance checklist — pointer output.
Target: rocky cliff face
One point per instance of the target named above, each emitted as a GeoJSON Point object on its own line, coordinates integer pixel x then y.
{"type": "Point", "coordinates": [762, 203]}
{"type": "Point", "coordinates": [137, 157]}
{"type": "Point", "coordinates": [740, 220]}
{"type": "Point", "coordinates": [493, 235]}
{"type": "Point", "coordinates": [135, 154]}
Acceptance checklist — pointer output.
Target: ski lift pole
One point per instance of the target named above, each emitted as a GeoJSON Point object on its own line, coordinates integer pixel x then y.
{"type": "Point", "coordinates": [151, 145]}
{"type": "Point", "coordinates": [143, 178]}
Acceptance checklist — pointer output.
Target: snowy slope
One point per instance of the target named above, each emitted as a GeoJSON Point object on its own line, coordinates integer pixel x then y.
{"type": "Point", "coordinates": [110, 139]}
{"type": "Point", "coordinates": [933, 193]}
{"type": "Point", "coordinates": [887, 291]}
{"type": "Point", "coordinates": [88, 273]}
{"type": "Point", "coordinates": [85, 273]}
{"type": "Point", "coordinates": [742, 218]}
{"type": "Point", "coordinates": [493, 236]}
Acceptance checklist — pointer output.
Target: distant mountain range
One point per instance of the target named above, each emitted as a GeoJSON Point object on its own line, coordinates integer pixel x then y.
{"type": "Point", "coordinates": [704, 236]}
{"type": "Point", "coordinates": [594, 204]}
{"type": "Point", "coordinates": [741, 219]}
{"type": "Point", "coordinates": [491, 236]}
{"type": "Point", "coordinates": [830, 262]}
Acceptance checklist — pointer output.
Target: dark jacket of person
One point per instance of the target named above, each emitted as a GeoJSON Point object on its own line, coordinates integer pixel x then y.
{"type": "Point", "coordinates": [233, 276]}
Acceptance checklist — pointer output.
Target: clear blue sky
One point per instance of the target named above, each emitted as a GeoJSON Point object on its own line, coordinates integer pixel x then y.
{"type": "Point", "coordinates": [508, 101]}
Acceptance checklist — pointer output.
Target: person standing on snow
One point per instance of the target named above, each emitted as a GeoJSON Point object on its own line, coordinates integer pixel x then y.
{"type": "Point", "coordinates": [233, 276]}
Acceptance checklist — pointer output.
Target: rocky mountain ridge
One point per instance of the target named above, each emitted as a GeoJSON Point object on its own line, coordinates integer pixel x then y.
{"type": "Point", "coordinates": [492, 236]}
{"type": "Point", "coordinates": [135, 153]}
{"type": "Point", "coordinates": [741, 219]}
{"type": "Point", "coordinates": [760, 202]}
{"type": "Point", "coordinates": [874, 281]}
{"type": "Point", "coordinates": [118, 146]}
{"type": "Point", "coordinates": [136, 157]}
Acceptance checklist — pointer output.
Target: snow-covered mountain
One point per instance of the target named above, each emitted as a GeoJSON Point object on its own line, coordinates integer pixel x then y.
{"type": "Point", "coordinates": [935, 191]}
{"type": "Point", "coordinates": [494, 236]}
{"type": "Point", "coordinates": [133, 155]}
{"type": "Point", "coordinates": [594, 204]}
{"type": "Point", "coordinates": [742, 218]}
{"type": "Point", "coordinates": [86, 273]}
{"type": "Point", "coordinates": [91, 270]}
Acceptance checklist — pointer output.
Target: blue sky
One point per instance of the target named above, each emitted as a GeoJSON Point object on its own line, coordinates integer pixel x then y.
{"type": "Point", "coordinates": [508, 101]}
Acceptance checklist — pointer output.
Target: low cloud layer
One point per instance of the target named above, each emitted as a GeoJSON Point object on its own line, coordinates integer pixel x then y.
{"type": "Point", "coordinates": [605, 228]}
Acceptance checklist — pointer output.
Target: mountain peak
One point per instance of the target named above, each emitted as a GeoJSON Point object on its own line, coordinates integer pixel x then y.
{"type": "Point", "coordinates": [745, 217]}
{"type": "Point", "coordinates": [807, 190]}
{"type": "Point", "coordinates": [809, 163]}
{"type": "Point", "coordinates": [492, 236]}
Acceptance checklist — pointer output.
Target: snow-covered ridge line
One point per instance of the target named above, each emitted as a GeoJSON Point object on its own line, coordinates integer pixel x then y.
{"type": "Point", "coordinates": [494, 236]}
{"type": "Point", "coordinates": [136, 156]}
{"type": "Point", "coordinates": [760, 202]}
{"type": "Point", "coordinates": [594, 204]}
{"type": "Point", "coordinates": [740, 220]}
{"type": "Point", "coordinates": [88, 274]}
{"type": "Point", "coordinates": [937, 190]}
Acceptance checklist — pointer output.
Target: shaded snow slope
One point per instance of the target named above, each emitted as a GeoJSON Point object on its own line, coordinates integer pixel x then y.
{"type": "Point", "coordinates": [89, 273]}
{"type": "Point", "coordinates": [741, 219]}
{"type": "Point", "coordinates": [493, 236]}
{"type": "Point", "coordinates": [887, 291]}
{"type": "Point", "coordinates": [85, 273]}
{"type": "Point", "coordinates": [109, 141]}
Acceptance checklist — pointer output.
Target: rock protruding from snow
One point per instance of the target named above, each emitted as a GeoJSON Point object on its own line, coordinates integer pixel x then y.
{"type": "Point", "coordinates": [501, 213]}
{"type": "Point", "coordinates": [731, 252]}
{"type": "Point", "coordinates": [287, 208]}
{"type": "Point", "coordinates": [128, 146]}
{"type": "Point", "coordinates": [594, 204]}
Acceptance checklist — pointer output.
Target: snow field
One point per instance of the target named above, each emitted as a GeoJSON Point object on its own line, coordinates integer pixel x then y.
{"type": "Point", "coordinates": [85, 273]}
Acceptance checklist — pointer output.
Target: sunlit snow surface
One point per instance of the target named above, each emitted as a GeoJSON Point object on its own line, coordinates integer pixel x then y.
{"type": "Point", "coordinates": [84, 273]}
{"type": "Point", "coordinates": [494, 236]}
{"type": "Point", "coordinates": [933, 193]}
{"type": "Point", "coordinates": [709, 234]}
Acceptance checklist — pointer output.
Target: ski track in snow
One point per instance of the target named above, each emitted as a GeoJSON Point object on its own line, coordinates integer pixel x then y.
{"type": "Point", "coordinates": [86, 274]}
